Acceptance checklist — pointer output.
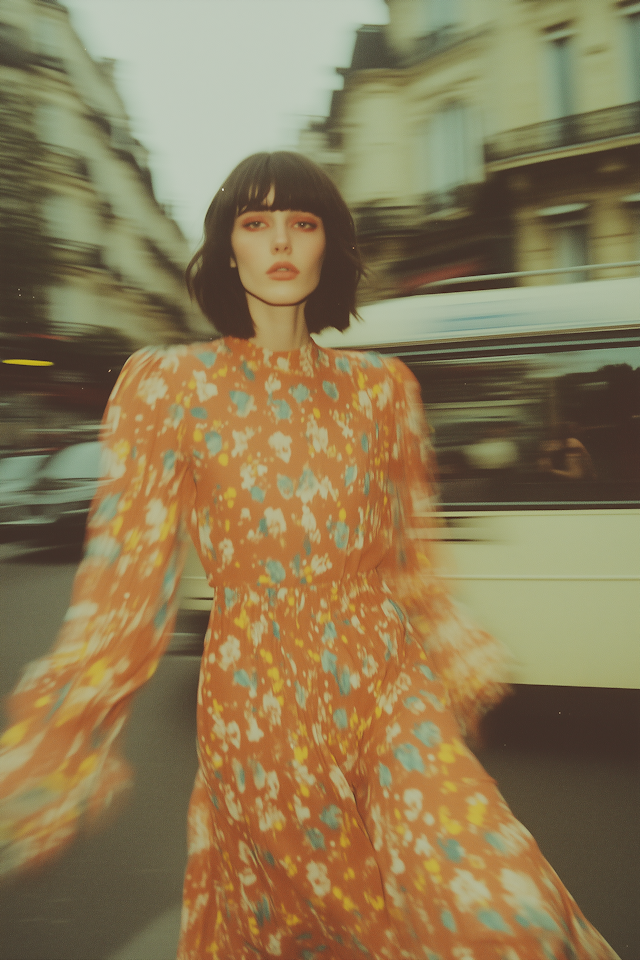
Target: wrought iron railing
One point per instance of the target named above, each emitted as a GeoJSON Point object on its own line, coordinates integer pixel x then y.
{"type": "Point", "coordinates": [460, 200]}
{"type": "Point", "coordinates": [579, 129]}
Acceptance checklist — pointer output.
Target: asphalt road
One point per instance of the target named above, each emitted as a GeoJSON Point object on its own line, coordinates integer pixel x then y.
{"type": "Point", "coordinates": [118, 890]}
{"type": "Point", "coordinates": [566, 760]}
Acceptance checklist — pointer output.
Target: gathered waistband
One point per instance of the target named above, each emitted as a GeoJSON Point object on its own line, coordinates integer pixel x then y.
{"type": "Point", "coordinates": [351, 586]}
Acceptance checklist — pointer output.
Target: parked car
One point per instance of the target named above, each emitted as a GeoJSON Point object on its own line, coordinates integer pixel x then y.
{"type": "Point", "coordinates": [62, 494]}
{"type": "Point", "coordinates": [18, 473]}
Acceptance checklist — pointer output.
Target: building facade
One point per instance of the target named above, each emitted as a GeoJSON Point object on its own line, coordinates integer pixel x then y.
{"type": "Point", "coordinates": [487, 136]}
{"type": "Point", "coordinates": [99, 255]}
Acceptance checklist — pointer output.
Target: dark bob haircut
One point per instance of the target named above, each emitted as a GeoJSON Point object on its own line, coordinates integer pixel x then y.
{"type": "Point", "coordinates": [298, 184]}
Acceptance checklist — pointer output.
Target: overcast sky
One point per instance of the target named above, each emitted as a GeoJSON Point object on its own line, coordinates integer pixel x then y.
{"type": "Point", "coordinates": [207, 82]}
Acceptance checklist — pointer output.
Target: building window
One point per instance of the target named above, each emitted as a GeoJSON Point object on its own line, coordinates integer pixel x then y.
{"type": "Point", "coordinates": [571, 250]}
{"type": "Point", "coordinates": [451, 151]}
{"type": "Point", "coordinates": [560, 74]}
{"type": "Point", "coordinates": [570, 239]}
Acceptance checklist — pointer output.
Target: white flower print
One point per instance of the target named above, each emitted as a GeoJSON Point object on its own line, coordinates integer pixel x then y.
{"type": "Point", "coordinates": [280, 443]}
{"type": "Point", "coordinates": [254, 733]}
{"type": "Point", "coordinates": [250, 473]}
{"type": "Point", "coordinates": [320, 564]}
{"type": "Point", "coordinates": [384, 394]}
{"type": "Point", "coordinates": [468, 891]}
{"type": "Point", "coordinates": [309, 524]}
{"type": "Point", "coordinates": [364, 401]}
{"type": "Point", "coordinates": [85, 609]}
{"type": "Point", "coordinates": [274, 947]}
{"type": "Point", "coordinates": [226, 551]}
{"type": "Point", "coordinates": [272, 708]}
{"type": "Point", "coordinates": [318, 878]}
{"type": "Point", "coordinates": [515, 835]}
{"type": "Point", "coordinates": [521, 888]}
{"type": "Point", "coordinates": [112, 418]}
{"type": "Point", "coordinates": [302, 813]}
{"type": "Point", "coordinates": [392, 731]}
{"type": "Point", "coordinates": [317, 435]}
{"type": "Point", "coordinates": [272, 384]}
{"type": "Point", "coordinates": [233, 806]}
{"type": "Point", "coordinates": [269, 817]}
{"type": "Point", "coordinates": [199, 836]}
{"type": "Point", "coordinates": [171, 361]}
{"type": "Point", "coordinates": [113, 462]}
{"type": "Point", "coordinates": [341, 783]}
{"type": "Point", "coordinates": [155, 517]}
{"type": "Point", "coordinates": [204, 388]}
{"type": "Point", "coordinates": [229, 653]}
{"type": "Point", "coordinates": [413, 802]}
{"type": "Point", "coordinates": [272, 784]}
{"type": "Point", "coordinates": [259, 628]}
{"type": "Point", "coordinates": [276, 524]}
{"type": "Point", "coordinates": [345, 429]}
{"type": "Point", "coordinates": [241, 441]}
{"type": "Point", "coordinates": [247, 877]}
{"type": "Point", "coordinates": [422, 847]}
{"type": "Point", "coordinates": [152, 389]}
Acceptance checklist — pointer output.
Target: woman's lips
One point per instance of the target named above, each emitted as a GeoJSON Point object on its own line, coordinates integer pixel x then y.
{"type": "Point", "coordinates": [283, 271]}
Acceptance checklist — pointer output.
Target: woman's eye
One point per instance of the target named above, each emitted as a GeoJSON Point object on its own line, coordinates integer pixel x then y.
{"type": "Point", "coordinates": [307, 224]}
{"type": "Point", "coordinates": [253, 224]}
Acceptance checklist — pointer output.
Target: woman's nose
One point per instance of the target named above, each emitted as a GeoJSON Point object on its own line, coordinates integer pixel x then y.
{"type": "Point", "coordinates": [281, 237]}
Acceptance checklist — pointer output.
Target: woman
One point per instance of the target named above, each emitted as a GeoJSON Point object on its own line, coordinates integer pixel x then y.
{"type": "Point", "coordinates": [337, 811]}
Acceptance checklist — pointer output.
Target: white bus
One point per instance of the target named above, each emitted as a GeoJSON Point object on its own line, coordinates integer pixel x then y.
{"type": "Point", "coordinates": [533, 395]}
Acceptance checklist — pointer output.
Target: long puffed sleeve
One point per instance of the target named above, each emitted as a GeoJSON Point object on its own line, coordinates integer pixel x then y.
{"type": "Point", "coordinates": [470, 661]}
{"type": "Point", "coordinates": [59, 761]}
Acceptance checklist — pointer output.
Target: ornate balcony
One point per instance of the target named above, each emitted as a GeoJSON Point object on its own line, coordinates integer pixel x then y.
{"type": "Point", "coordinates": [540, 141]}
{"type": "Point", "coordinates": [432, 210]}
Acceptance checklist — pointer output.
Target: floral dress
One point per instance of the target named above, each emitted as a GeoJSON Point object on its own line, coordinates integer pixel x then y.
{"type": "Point", "coordinates": [337, 811]}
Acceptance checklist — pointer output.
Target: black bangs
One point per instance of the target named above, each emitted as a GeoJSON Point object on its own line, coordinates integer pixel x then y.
{"type": "Point", "coordinates": [295, 185]}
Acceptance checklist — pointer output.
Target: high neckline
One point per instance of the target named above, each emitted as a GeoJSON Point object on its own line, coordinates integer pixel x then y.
{"type": "Point", "coordinates": [303, 360]}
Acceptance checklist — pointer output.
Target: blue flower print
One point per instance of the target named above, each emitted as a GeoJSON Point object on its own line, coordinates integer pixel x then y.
{"type": "Point", "coordinates": [213, 441]}
{"type": "Point", "coordinates": [330, 389]}
{"type": "Point", "coordinates": [243, 401]}
{"type": "Point", "coordinates": [300, 393]}
{"type": "Point", "coordinates": [409, 757]}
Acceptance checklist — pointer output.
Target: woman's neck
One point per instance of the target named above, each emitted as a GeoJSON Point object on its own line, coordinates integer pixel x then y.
{"type": "Point", "coordinates": [278, 327]}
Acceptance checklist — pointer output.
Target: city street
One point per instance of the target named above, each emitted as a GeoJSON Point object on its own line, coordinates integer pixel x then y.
{"type": "Point", "coordinates": [127, 879]}
{"type": "Point", "coordinates": [569, 772]}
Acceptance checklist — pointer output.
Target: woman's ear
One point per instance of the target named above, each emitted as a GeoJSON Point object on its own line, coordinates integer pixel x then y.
{"type": "Point", "coordinates": [232, 263]}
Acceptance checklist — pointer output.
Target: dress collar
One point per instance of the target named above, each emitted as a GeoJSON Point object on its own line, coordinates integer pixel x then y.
{"type": "Point", "coordinates": [304, 360]}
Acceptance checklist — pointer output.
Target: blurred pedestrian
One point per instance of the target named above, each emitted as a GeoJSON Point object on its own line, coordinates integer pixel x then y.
{"type": "Point", "coordinates": [337, 810]}
{"type": "Point", "coordinates": [564, 456]}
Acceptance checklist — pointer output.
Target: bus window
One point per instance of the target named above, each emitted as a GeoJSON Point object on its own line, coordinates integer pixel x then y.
{"type": "Point", "coordinates": [541, 428]}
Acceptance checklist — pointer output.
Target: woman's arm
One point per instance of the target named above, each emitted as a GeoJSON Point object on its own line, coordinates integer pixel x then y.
{"type": "Point", "coordinates": [58, 758]}
{"type": "Point", "coordinates": [470, 661]}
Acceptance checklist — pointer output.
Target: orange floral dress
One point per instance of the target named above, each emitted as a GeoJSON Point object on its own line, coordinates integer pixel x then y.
{"type": "Point", "coordinates": [337, 811]}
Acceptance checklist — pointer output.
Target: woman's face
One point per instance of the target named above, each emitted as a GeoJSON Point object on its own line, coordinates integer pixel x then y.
{"type": "Point", "coordinates": [278, 254]}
